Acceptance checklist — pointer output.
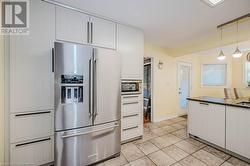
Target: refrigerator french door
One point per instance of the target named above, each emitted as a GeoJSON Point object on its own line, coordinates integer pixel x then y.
{"type": "Point", "coordinates": [87, 104]}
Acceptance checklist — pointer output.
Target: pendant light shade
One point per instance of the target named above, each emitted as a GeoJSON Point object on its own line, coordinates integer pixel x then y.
{"type": "Point", "coordinates": [221, 56]}
{"type": "Point", "coordinates": [237, 53]}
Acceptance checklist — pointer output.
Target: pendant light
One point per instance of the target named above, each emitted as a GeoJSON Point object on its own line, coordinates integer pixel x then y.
{"type": "Point", "coordinates": [237, 53]}
{"type": "Point", "coordinates": [221, 56]}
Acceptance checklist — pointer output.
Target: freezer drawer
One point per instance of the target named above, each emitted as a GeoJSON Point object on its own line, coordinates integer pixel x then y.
{"type": "Point", "coordinates": [87, 145]}
{"type": "Point", "coordinates": [32, 125]}
{"type": "Point", "coordinates": [35, 152]}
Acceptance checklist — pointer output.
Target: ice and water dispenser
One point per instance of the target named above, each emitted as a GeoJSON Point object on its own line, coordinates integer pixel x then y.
{"type": "Point", "coordinates": [71, 89]}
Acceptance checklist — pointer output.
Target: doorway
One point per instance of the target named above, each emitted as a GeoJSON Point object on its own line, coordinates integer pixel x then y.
{"type": "Point", "coordinates": [184, 83]}
{"type": "Point", "coordinates": [147, 89]}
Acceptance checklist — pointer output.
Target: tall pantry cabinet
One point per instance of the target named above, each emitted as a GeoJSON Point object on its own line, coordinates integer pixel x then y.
{"type": "Point", "coordinates": [31, 89]}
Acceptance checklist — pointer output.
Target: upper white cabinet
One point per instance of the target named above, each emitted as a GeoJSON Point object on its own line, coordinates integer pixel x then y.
{"type": "Point", "coordinates": [77, 27]}
{"type": "Point", "coordinates": [31, 77]}
{"type": "Point", "coordinates": [71, 26]}
{"type": "Point", "coordinates": [130, 44]}
{"type": "Point", "coordinates": [207, 121]}
{"type": "Point", "coordinates": [103, 33]}
{"type": "Point", "coordinates": [237, 130]}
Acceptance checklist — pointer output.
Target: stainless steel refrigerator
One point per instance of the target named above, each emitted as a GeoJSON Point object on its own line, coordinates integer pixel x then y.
{"type": "Point", "coordinates": [87, 104]}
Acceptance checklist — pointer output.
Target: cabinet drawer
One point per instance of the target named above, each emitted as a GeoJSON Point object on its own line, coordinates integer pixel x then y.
{"type": "Point", "coordinates": [132, 107]}
{"type": "Point", "coordinates": [35, 152]}
{"type": "Point", "coordinates": [131, 132]}
{"type": "Point", "coordinates": [131, 120]}
{"type": "Point", "coordinates": [131, 98]}
{"type": "Point", "coordinates": [28, 126]}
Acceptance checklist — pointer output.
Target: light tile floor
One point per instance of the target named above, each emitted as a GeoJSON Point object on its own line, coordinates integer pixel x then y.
{"type": "Point", "coordinates": [166, 143]}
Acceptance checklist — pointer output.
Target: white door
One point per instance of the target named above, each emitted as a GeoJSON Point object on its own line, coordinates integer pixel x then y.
{"type": "Point", "coordinates": [71, 26]}
{"type": "Point", "coordinates": [103, 33]}
{"type": "Point", "coordinates": [184, 75]}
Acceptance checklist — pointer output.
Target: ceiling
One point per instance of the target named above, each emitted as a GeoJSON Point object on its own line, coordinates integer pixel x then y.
{"type": "Point", "coordinates": [171, 24]}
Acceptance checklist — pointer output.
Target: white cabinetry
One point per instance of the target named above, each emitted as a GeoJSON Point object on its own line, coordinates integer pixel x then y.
{"type": "Point", "coordinates": [103, 33]}
{"type": "Point", "coordinates": [28, 126]}
{"type": "Point", "coordinates": [237, 131]}
{"type": "Point", "coordinates": [35, 152]}
{"type": "Point", "coordinates": [207, 121]}
{"type": "Point", "coordinates": [31, 89]}
{"type": "Point", "coordinates": [71, 25]}
{"type": "Point", "coordinates": [132, 117]}
{"type": "Point", "coordinates": [77, 27]}
{"type": "Point", "coordinates": [130, 44]}
{"type": "Point", "coordinates": [31, 77]}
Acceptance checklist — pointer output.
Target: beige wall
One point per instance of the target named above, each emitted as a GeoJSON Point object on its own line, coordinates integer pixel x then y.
{"type": "Point", "coordinates": [165, 87]}
{"type": "Point", "coordinates": [1, 101]}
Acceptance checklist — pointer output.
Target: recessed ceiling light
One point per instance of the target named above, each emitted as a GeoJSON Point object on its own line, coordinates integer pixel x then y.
{"type": "Point", "coordinates": [213, 2]}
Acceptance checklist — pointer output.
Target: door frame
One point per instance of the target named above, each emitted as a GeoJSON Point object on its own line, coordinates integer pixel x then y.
{"type": "Point", "coordinates": [152, 87]}
{"type": "Point", "coordinates": [179, 64]}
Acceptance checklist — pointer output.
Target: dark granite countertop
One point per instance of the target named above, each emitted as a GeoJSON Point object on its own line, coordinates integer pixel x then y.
{"type": "Point", "coordinates": [221, 101]}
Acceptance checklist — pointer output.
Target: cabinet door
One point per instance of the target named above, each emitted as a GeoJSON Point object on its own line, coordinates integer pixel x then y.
{"type": "Point", "coordinates": [214, 124]}
{"type": "Point", "coordinates": [130, 44]}
{"type": "Point", "coordinates": [31, 77]}
{"type": "Point", "coordinates": [207, 121]}
{"type": "Point", "coordinates": [71, 26]}
{"type": "Point", "coordinates": [195, 118]}
{"type": "Point", "coordinates": [237, 131]}
{"type": "Point", "coordinates": [103, 33]}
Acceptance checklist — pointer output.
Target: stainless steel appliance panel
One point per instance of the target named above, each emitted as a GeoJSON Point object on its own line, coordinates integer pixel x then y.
{"type": "Point", "coordinates": [73, 64]}
{"type": "Point", "coordinates": [86, 146]}
{"type": "Point", "coordinates": [107, 96]}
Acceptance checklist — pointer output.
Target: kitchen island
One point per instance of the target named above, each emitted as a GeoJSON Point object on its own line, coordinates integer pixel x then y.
{"type": "Point", "coordinates": [222, 123]}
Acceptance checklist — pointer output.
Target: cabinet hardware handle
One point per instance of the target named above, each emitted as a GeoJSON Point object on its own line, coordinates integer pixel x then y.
{"type": "Point", "coordinates": [32, 142]}
{"type": "Point", "coordinates": [204, 103]}
{"type": "Point", "coordinates": [130, 128]}
{"type": "Point", "coordinates": [127, 97]}
{"type": "Point", "coordinates": [131, 103]}
{"type": "Point", "coordinates": [89, 132]}
{"type": "Point", "coordinates": [128, 116]}
{"type": "Point", "coordinates": [88, 32]}
{"type": "Point", "coordinates": [53, 60]}
{"type": "Point", "coordinates": [91, 32]}
{"type": "Point", "coordinates": [34, 113]}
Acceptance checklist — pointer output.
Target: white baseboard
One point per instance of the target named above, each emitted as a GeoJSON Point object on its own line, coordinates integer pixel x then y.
{"type": "Point", "coordinates": [182, 114]}
{"type": "Point", "coordinates": [164, 118]}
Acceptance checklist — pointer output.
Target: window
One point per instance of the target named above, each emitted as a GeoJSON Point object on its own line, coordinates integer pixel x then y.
{"type": "Point", "coordinates": [214, 74]}
{"type": "Point", "coordinates": [248, 73]}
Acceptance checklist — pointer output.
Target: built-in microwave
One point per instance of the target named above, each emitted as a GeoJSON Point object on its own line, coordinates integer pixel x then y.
{"type": "Point", "coordinates": [131, 87]}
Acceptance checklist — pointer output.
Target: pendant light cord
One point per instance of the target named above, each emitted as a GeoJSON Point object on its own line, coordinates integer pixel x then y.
{"type": "Point", "coordinates": [221, 36]}
{"type": "Point", "coordinates": [237, 33]}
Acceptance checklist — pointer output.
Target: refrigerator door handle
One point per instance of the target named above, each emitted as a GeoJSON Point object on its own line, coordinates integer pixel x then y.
{"type": "Point", "coordinates": [89, 132]}
{"type": "Point", "coordinates": [90, 87]}
{"type": "Point", "coordinates": [95, 113]}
